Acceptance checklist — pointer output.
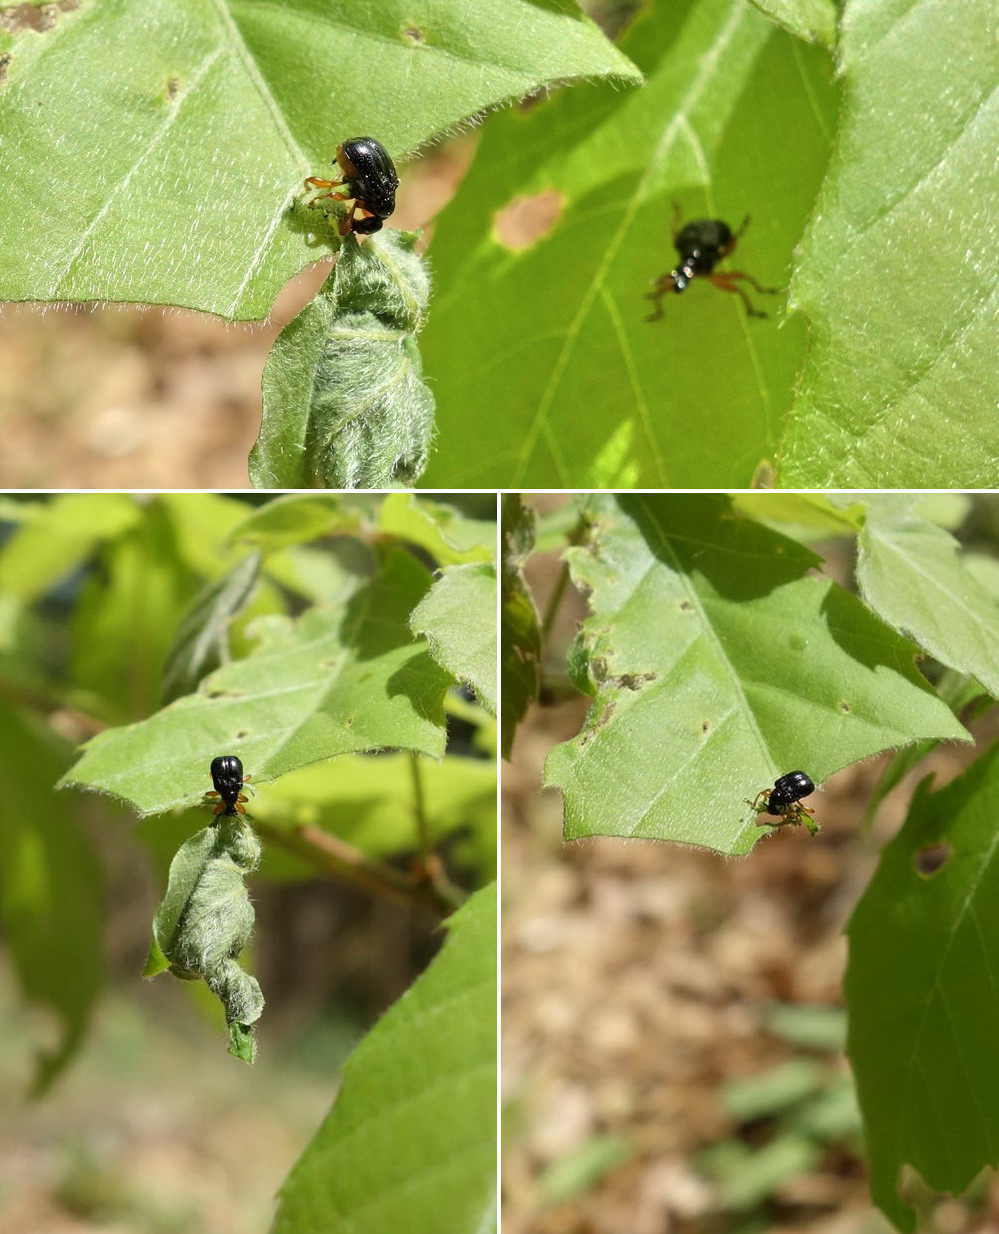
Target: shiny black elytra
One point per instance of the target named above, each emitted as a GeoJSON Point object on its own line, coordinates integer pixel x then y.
{"type": "Point", "coordinates": [702, 243]}
{"type": "Point", "coordinates": [783, 801]}
{"type": "Point", "coordinates": [227, 776]}
{"type": "Point", "coordinates": [787, 790]}
{"type": "Point", "coordinates": [370, 180]}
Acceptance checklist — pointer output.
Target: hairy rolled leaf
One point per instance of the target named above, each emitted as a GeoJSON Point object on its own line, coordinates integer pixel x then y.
{"type": "Point", "coordinates": [344, 402]}
{"type": "Point", "coordinates": [205, 920]}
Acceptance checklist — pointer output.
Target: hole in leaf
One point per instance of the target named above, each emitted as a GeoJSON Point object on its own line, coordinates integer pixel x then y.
{"type": "Point", "coordinates": [526, 220]}
{"type": "Point", "coordinates": [929, 860]}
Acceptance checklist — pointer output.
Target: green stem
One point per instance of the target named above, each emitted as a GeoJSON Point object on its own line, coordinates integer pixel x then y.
{"type": "Point", "coordinates": [576, 536]}
{"type": "Point", "coordinates": [430, 863]}
{"type": "Point", "coordinates": [419, 806]}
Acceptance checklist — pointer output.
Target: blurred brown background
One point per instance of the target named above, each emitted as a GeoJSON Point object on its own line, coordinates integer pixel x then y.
{"type": "Point", "coordinates": [673, 1020]}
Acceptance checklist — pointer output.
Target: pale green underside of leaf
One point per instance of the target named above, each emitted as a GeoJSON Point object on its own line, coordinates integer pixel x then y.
{"type": "Point", "coordinates": [410, 1141]}
{"type": "Point", "coordinates": [339, 680]}
{"type": "Point", "coordinates": [720, 665]}
{"type": "Point", "coordinates": [50, 891]}
{"type": "Point", "coordinates": [811, 20]}
{"type": "Point", "coordinates": [152, 151]}
{"type": "Point", "coordinates": [295, 519]}
{"type": "Point", "coordinates": [544, 369]}
{"type": "Point", "coordinates": [911, 573]}
{"type": "Point", "coordinates": [448, 536]}
{"type": "Point", "coordinates": [923, 997]}
{"type": "Point", "coordinates": [457, 617]}
{"type": "Point", "coordinates": [896, 274]}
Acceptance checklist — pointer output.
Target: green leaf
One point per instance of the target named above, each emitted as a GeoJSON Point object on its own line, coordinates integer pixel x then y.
{"type": "Point", "coordinates": [201, 643]}
{"type": "Point", "coordinates": [294, 519]}
{"type": "Point", "coordinates": [901, 382]}
{"type": "Point", "coordinates": [124, 618]}
{"type": "Point", "coordinates": [719, 664]}
{"type": "Point", "coordinates": [583, 1167]}
{"type": "Point", "coordinates": [410, 1141]}
{"type": "Point", "coordinates": [803, 516]}
{"type": "Point", "coordinates": [50, 890]}
{"type": "Point", "coordinates": [544, 371]}
{"type": "Point", "coordinates": [811, 20]}
{"type": "Point", "coordinates": [174, 164]}
{"type": "Point", "coordinates": [58, 536]}
{"type": "Point", "coordinates": [457, 617]}
{"type": "Point", "coordinates": [911, 573]}
{"type": "Point", "coordinates": [368, 802]}
{"type": "Point", "coordinates": [959, 693]}
{"type": "Point", "coordinates": [922, 997]}
{"type": "Point", "coordinates": [445, 533]}
{"type": "Point", "coordinates": [520, 634]}
{"type": "Point", "coordinates": [344, 403]}
{"type": "Point", "coordinates": [335, 681]}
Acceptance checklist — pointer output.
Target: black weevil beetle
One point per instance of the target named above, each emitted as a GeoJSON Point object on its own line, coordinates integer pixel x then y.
{"type": "Point", "coordinates": [783, 801]}
{"type": "Point", "coordinates": [702, 243]}
{"type": "Point", "coordinates": [228, 778]}
{"type": "Point", "coordinates": [370, 179]}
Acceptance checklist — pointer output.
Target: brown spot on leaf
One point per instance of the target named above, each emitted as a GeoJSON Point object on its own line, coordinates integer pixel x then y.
{"type": "Point", "coordinates": [634, 681]}
{"type": "Point", "coordinates": [599, 723]}
{"type": "Point", "coordinates": [412, 33]}
{"type": "Point", "coordinates": [931, 859]}
{"type": "Point", "coordinates": [844, 706]}
{"type": "Point", "coordinates": [172, 88]}
{"type": "Point", "coordinates": [5, 60]}
{"type": "Point", "coordinates": [526, 220]}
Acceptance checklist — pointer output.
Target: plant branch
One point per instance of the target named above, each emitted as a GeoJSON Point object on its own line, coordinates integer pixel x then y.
{"type": "Point", "coordinates": [335, 858]}
{"type": "Point", "coordinates": [431, 866]}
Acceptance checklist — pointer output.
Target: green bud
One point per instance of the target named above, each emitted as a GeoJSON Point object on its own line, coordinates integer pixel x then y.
{"type": "Point", "coordinates": [344, 402]}
{"type": "Point", "coordinates": [205, 920]}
